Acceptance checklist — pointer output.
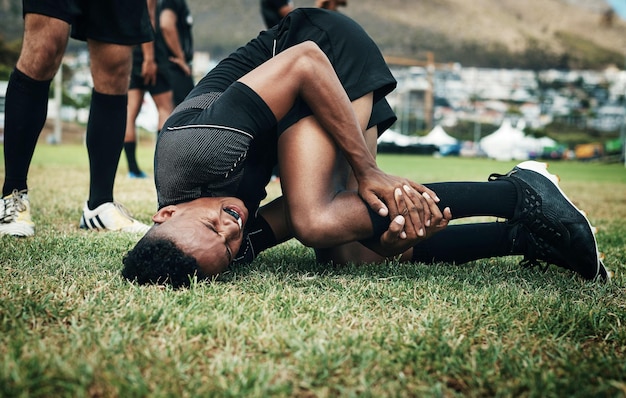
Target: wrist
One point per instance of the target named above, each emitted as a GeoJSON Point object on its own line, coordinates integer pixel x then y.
{"type": "Point", "coordinates": [363, 169]}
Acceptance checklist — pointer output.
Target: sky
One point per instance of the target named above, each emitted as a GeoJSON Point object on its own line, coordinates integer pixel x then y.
{"type": "Point", "coordinates": [619, 6]}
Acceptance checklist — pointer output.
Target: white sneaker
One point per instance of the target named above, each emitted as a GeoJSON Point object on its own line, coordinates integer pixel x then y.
{"type": "Point", "coordinates": [111, 216]}
{"type": "Point", "coordinates": [15, 216]}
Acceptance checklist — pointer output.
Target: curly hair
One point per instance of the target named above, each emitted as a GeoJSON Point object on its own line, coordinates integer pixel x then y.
{"type": "Point", "coordinates": [157, 260]}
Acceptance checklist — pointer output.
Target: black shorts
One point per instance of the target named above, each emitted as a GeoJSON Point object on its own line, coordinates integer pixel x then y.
{"type": "Point", "coordinates": [123, 22]}
{"type": "Point", "coordinates": [207, 149]}
{"type": "Point", "coordinates": [253, 116]}
{"type": "Point", "coordinates": [181, 83]}
{"type": "Point", "coordinates": [161, 85]}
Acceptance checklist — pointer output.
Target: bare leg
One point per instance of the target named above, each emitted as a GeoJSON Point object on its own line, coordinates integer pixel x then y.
{"type": "Point", "coordinates": [355, 252]}
{"type": "Point", "coordinates": [165, 105]}
{"type": "Point", "coordinates": [45, 39]}
{"type": "Point", "coordinates": [43, 46]}
{"type": "Point", "coordinates": [110, 67]}
{"type": "Point", "coordinates": [135, 101]}
{"type": "Point", "coordinates": [319, 210]}
{"type": "Point", "coordinates": [304, 71]}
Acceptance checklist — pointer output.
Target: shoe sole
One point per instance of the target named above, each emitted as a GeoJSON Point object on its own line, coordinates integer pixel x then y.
{"type": "Point", "coordinates": [17, 229]}
{"type": "Point", "coordinates": [542, 169]}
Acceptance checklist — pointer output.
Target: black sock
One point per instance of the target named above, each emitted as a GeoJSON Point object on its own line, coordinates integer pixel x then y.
{"type": "Point", "coordinates": [26, 108]}
{"type": "Point", "coordinates": [105, 139]}
{"type": "Point", "coordinates": [465, 242]}
{"type": "Point", "coordinates": [467, 199]}
{"type": "Point", "coordinates": [130, 149]}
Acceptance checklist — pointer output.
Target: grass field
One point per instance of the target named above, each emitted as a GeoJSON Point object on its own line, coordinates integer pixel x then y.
{"type": "Point", "coordinates": [285, 326]}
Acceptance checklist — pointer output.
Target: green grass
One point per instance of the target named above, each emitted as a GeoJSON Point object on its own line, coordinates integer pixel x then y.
{"type": "Point", "coordinates": [286, 326]}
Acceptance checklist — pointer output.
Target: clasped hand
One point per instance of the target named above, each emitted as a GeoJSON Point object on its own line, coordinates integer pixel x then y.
{"type": "Point", "coordinates": [411, 207]}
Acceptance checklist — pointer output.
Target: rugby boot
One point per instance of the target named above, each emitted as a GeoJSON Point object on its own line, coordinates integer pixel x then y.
{"type": "Point", "coordinates": [111, 216]}
{"type": "Point", "coordinates": [15, 218]}
{"type": "Point", "coordinates": [558, 232]}
{"type": "Point", "coordinates": [537, 252]}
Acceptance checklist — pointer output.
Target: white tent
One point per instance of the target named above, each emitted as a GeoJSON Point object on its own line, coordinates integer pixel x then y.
{"type": "Point", "coordinates": [506, 143]}
{"type": "Point", "coordinates": [437, 136]}
{"type": "Point", "coordinates": [393, 137]}
{"type": "Point", "coordinates": [535, 146]}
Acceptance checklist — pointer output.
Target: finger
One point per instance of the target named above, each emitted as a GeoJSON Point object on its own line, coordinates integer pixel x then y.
{"type": "Point", "coordinates": [419, 212]}
{"type": "Point", "coordinates": [395, 231]}
{"type": "Point", "coordinates": [394, 203]}
{"type": "Point", "coordinates": [447, 216]}
{"type": "Point", "coordinates": [421, 189]}
{"type": "Point", "coordinates": [376, 204]}
{"type": "Point", "coordinates": [443, 223]}
{"type": "Point", "coordinates": [400, 203]}
{"type": "Point", "coordinates": [435, 213]}
{"type": "Point", "coordinates": [396, 226]}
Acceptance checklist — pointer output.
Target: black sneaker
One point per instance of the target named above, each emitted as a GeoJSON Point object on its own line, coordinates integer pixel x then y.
{"type": "Point", "coordinates": [557, 231]}
{"type": "Point", "coordinates": [536, 250]}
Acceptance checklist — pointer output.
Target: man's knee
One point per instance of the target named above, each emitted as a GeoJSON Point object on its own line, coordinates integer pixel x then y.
{"type": "Point", "coordinates": [308, 56]}
{"type": "Point", "coordinates": [311, 227]}
{"type": "Point", "coordinates": [45, 40]}
{"type": "Point", "coordinates": [110, 66]}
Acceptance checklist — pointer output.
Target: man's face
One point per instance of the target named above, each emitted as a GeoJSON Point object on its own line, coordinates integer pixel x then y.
{"type": "Point", "coordinates": [208, 229]}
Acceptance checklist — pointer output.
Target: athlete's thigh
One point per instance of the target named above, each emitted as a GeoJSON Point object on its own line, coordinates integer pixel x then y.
{"type": "Point", "coordinates": [308, 160]}
{"type": "Point", "coordinates": [312, 168]}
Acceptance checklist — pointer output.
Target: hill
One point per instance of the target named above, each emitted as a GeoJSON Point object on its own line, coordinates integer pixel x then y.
{"type": "Point", "coordinates": [530, 34]}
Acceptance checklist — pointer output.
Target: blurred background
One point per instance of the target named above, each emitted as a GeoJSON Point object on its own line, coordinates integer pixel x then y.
{"type": "Point", "coordinates": [497, 78]}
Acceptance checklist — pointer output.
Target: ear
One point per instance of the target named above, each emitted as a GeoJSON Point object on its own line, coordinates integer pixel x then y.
{"type": "Point", "coordinates": [164, 214]}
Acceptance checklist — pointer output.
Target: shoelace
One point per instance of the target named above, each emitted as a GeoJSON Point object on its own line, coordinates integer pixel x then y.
{"type": "Point", "coordinates": [538, 253]}
{"type": "Point", "coordinates": [11, 206]}
{"type": "Point", "coordinates": [123, 210]}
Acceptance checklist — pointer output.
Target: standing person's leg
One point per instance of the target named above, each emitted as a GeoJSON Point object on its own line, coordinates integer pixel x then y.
{"type": "Point", "coordinates": [26, 108]}
{"type": "Point", "coordinates": [110, 68]}
{"type": "Point", "coordinates": [135, 102]}
{"type": "Point", "coordinates": [164, 102]}
{"type": "Point", "coordinates": [111, 29]}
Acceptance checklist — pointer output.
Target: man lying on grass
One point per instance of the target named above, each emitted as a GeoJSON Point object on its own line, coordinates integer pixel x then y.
{"type": "Point", "coordinates": [309, 93]}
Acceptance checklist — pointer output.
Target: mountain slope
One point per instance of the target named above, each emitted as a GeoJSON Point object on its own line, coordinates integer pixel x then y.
{"type": "Point", "coordinates": [533, 34]}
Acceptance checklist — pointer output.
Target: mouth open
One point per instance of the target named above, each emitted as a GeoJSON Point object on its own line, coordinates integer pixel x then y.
{"type": "Point", "coordinates": [235, 215]}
